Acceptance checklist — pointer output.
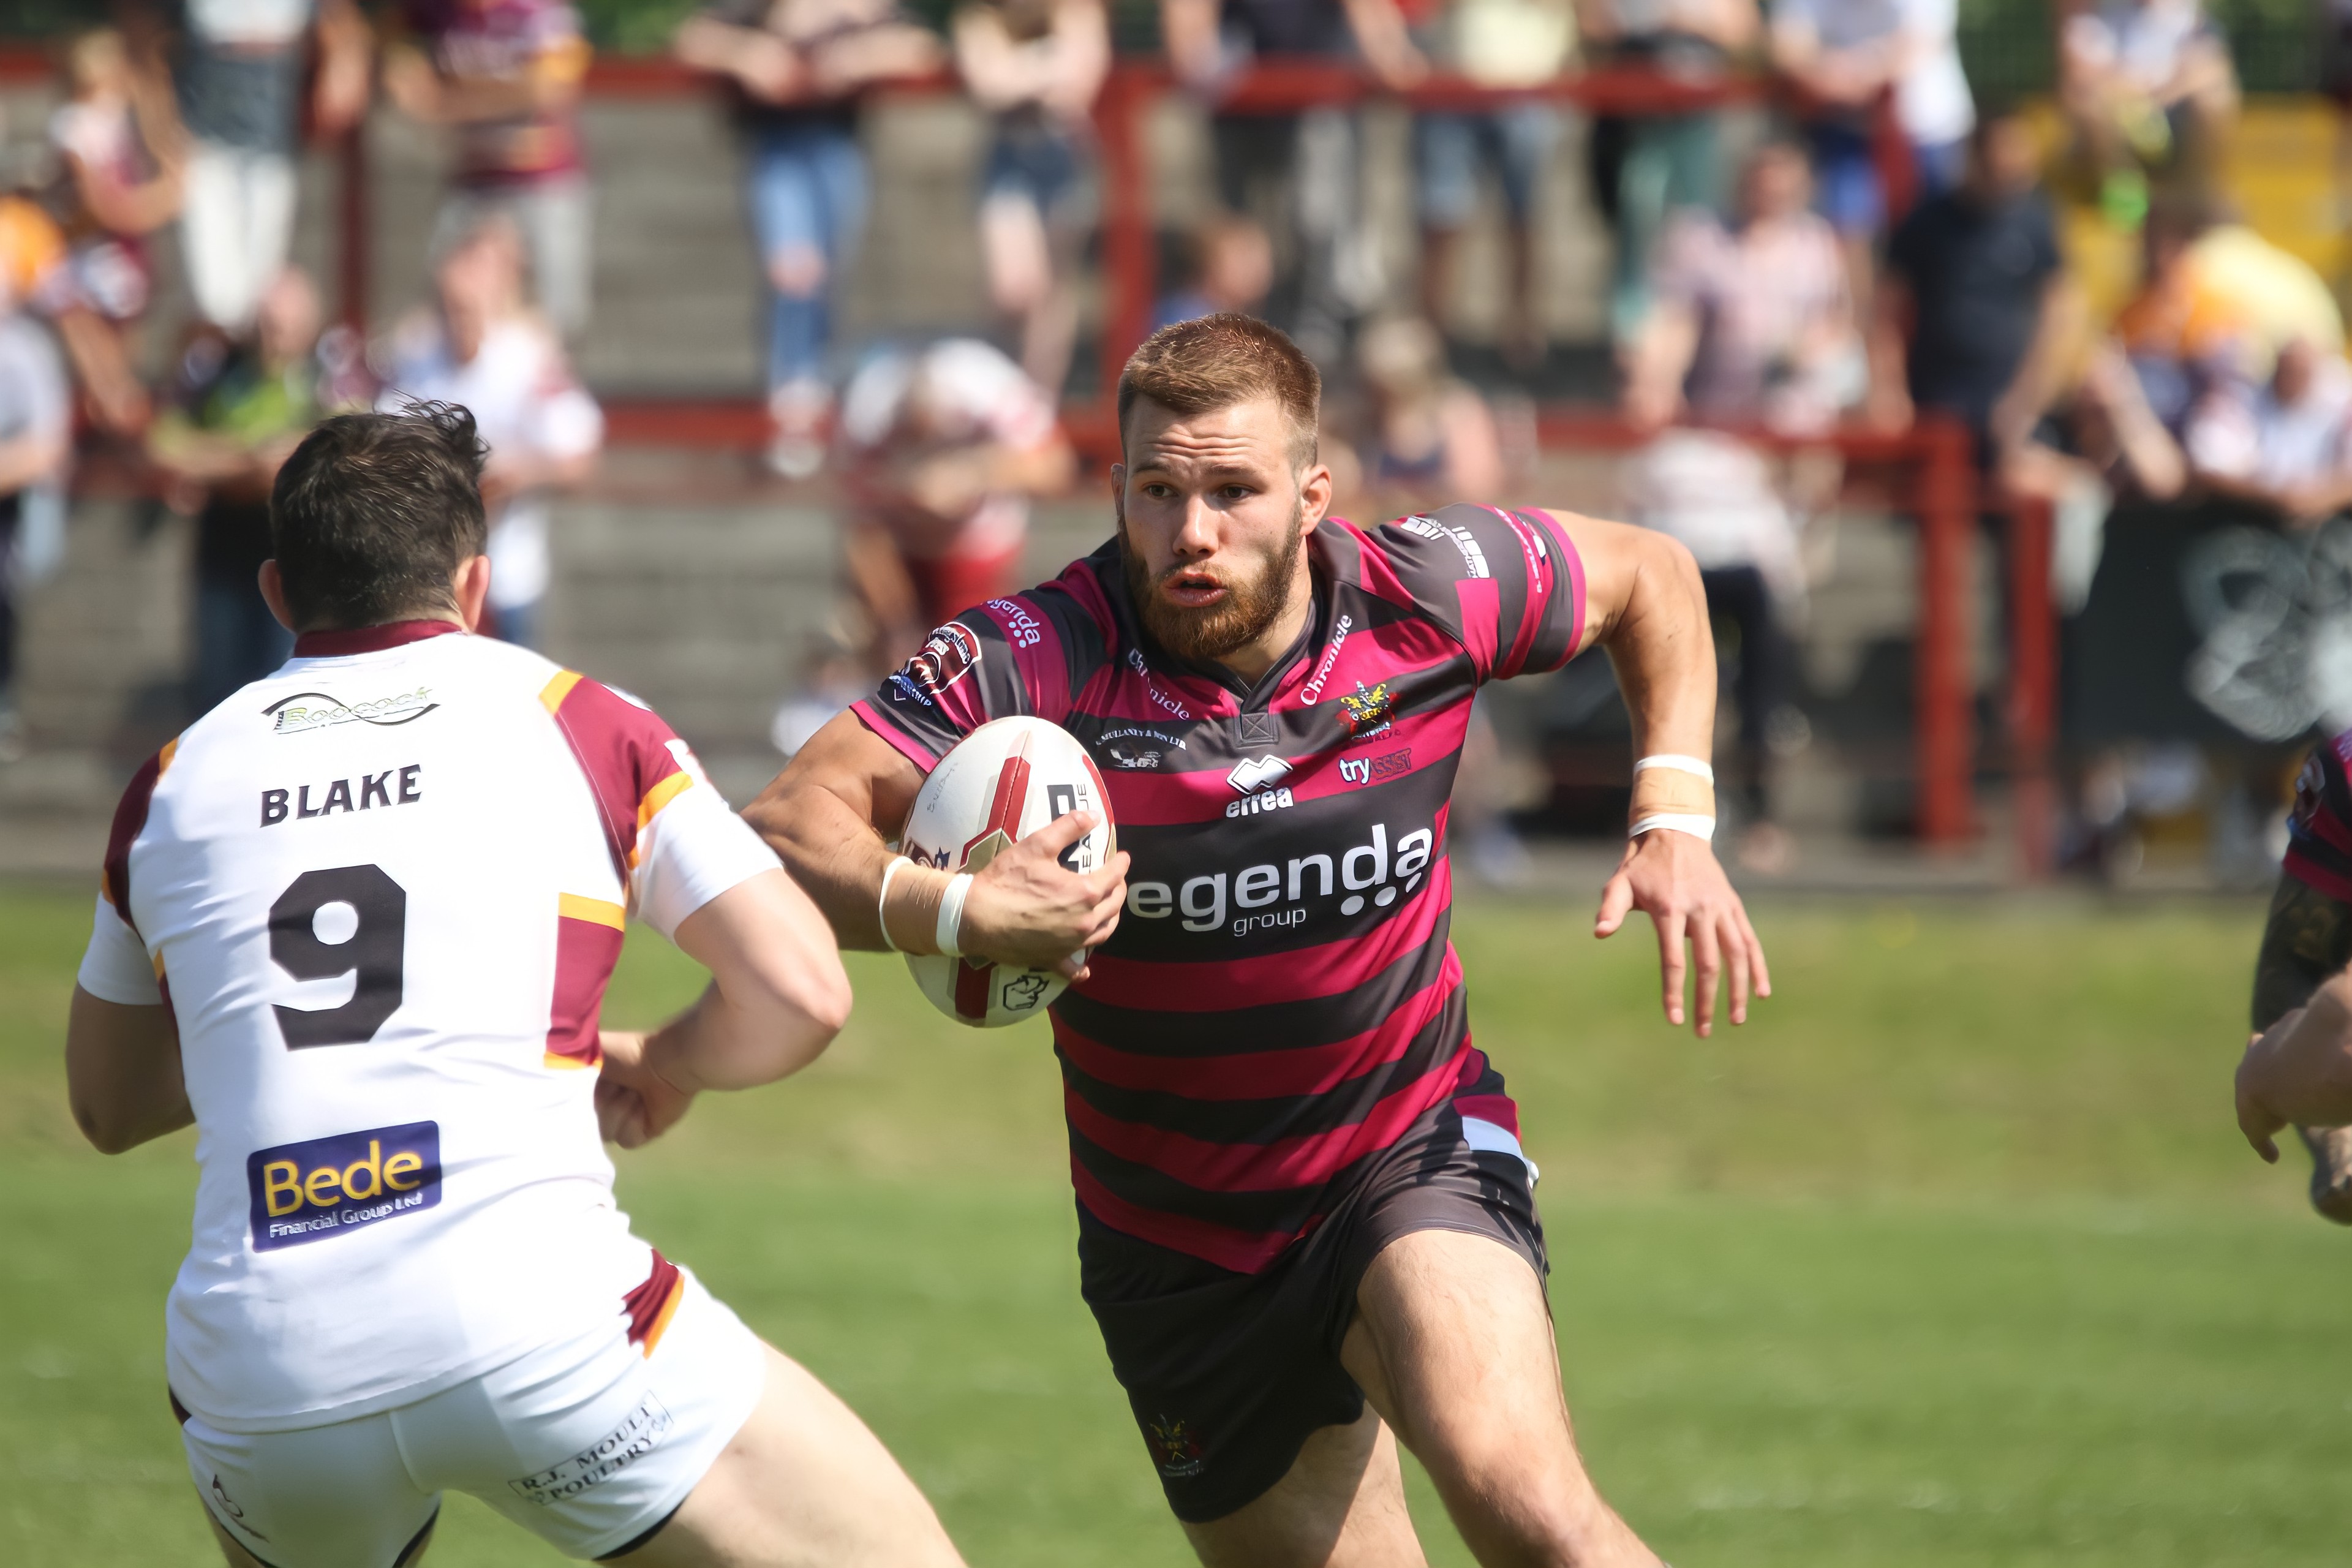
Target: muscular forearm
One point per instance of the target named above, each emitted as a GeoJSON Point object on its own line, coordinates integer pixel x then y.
{"type": "Point", "coordinates": [836, 855]}
{"type": "Point", "coordinates": [777, 996]}
{"type": "Point", "coordinates": [122, 1073]}
{"type": "Point", "coordinates": [2307, 939]}
{"type": "Point", "coordinates": [1663, 651]}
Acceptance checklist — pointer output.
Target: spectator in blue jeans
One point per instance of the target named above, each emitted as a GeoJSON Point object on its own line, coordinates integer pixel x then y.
{"type": "Point", "coordinates": [800, 70]}
{"type": "Point", "coordinates": [1645, 167]}
{"type": "Point", "coordinates": [36, 444]}
{"type": "Point", "coordinates": [1036, 66]}
{"type": "Point", "coordinates": [1496, 44]}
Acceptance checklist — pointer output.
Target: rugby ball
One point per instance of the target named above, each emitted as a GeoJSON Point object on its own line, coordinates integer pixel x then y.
{"type": "Point", "coordinates": [999, 784]}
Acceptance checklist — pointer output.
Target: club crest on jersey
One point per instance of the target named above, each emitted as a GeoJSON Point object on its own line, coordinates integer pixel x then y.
{"type": "Point", "coordinates": [1175, 1449]}
{"type": "Point", "coordinates": [947, 656]}
{"type": "Point", "coordinates": [308, 711]}
{"type": "Point", "coordinates": [310, 1191]}
{"type": "Point", "coordinates": [1366, 711]}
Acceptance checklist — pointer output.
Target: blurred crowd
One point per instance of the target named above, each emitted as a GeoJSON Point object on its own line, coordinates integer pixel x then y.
{"type": "Point", "coordinates": [1876, 246]}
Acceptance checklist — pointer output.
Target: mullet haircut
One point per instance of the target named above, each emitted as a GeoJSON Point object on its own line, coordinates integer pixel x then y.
{"type": "Point", "coordinates": [1215, 362]}
{"type": "Point", "coordinates": [373, 514]}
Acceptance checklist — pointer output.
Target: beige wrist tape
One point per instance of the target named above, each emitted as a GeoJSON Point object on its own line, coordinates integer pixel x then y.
{"type": "Point", "coordinates": [1666, 786]}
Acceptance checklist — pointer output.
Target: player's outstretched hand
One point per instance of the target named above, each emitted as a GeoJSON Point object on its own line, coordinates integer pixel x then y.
{"type": "Point", "coordinates": [634, 1104]}
{"type": "Point", "coordinates": [2257, 1120]}
{"type": "Point", "coordinates": [1027, 910]}
{"type": "Point", "coordinates": [2299, 1070]}
{"type": "Point", "coordinates": [1673, 879]}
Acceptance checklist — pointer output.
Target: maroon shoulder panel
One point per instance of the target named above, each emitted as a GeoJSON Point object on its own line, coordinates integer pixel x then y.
{"type": "Point", "coordinates": [624, 750]}
{"type": "Point", "coordinates": [130, 819]}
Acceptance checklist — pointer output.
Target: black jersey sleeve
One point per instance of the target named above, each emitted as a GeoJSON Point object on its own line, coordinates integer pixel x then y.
{"type": "Point", "coordinates": [1508, 584]}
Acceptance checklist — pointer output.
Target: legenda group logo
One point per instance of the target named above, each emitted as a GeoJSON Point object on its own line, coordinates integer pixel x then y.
{"type": "Point", "coordinates": [307, 710]}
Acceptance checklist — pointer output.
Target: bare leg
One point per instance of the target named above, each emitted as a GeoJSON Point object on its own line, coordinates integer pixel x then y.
{"type": "Point", "coordinates": [805, 1483]}
{"type": "Point", "coordinates": [1340, 1505]}
{"type": "Point", "coordinates": [1524, 330]}
{"type": "Point", "coordinates": [1454, 1346]}
{"type": "Point", "coordinates": [239, 1557]}
{"type": "Point", "coordinates": [1437, 245]}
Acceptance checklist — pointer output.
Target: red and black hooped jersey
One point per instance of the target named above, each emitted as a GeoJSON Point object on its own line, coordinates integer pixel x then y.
{"type": "Point", "coordinates": [1280, 1002]}
{"type": "Point", "coordinates": [2319, 829]}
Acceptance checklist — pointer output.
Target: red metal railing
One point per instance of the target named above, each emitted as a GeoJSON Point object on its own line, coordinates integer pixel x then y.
{"type": "Point", "coordinates": [1935, 456]}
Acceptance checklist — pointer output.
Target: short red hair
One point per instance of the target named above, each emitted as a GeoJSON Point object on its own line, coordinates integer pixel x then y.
{"type": "Point", "coordinates": [1215, 362]}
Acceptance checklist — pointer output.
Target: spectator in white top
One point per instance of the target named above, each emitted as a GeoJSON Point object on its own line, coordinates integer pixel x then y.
{"type": "Point", "coordinates": [482, 348]}
{"type": "Point", "coordinates": [942, 450]}
{"type": "Point", "coordinates": [2289, 449]}
{"type": "Point", "coordinates": [1752, 324]}
{"type": "Point", "coordinates": [241, 74]}
{"type": "Point", "coordinates": [35, 443]}
{"type": "Point", "coordinates": [2149, 86]}
{"type": "Point", "coordinates": [1845, 55]}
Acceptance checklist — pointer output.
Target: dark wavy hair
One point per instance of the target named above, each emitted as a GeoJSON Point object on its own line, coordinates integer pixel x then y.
{"type": "Point", "coordinates": [373, 514]}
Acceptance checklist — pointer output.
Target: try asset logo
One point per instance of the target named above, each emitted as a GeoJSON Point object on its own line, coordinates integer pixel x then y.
{"type": "Point", "coordinates": [1286, 893]}
{"type": "Point", "coordinates": [310, 1191]}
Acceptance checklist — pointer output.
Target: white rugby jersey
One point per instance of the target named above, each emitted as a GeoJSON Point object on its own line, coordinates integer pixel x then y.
{"type": "Point", "coordinates": [382, 891]}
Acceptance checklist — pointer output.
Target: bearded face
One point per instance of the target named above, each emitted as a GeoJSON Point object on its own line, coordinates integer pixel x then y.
{"type": "Point", "coordinates": [1256, 586]}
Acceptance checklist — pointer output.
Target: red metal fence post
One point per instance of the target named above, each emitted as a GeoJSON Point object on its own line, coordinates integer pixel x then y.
{"type": "Point", "coordinates": [353, 230]}
{"type": "Point", "coordinates": [1945, 742]}
{"type": "Point", "coordinates": [2033, 684]}
{"type": "Point", "coordinates": [1131, 262]}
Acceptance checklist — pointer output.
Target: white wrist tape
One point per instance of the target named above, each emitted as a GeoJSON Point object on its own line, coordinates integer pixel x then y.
{"type": "Point", "coordinates": [1678, 822]}
{"type": "Point", "coordinates": [1679, 762]}
{"type": "Point", "coordinates": [951, 914]}
{"type": "Point", "coordinates": [882, 901]}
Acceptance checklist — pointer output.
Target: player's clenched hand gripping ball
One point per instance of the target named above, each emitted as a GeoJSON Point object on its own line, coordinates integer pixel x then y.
{"type": "Point", "coordinates": [1001, 783]}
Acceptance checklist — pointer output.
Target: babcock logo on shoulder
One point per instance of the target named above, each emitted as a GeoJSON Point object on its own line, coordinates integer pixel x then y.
{"type": "Point", "coordinates": [307, 1192]}
{"type": "Point", "coordinates": [307, 710]}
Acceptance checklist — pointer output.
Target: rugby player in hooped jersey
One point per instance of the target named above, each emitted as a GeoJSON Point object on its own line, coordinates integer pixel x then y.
{"type": "Point", "coordinates": [356, 926]}
{"type": "Point", "coordinates": [1307, 1228]}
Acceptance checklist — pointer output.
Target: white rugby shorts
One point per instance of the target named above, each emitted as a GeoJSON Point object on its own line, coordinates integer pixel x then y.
{"type": "Point", "coordinates": [590, 1446]}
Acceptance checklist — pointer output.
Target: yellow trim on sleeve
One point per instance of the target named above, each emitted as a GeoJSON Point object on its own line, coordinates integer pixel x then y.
{"type": "Point", "coordinates": [570, 1064]}
{"type": "Point", "coordinates": [573, 906]}
{"type": "Point", "coordinates": [661, 1318]}
{"type": "Point", "coordinates": [163, 758]}
{"type": "Point", "coordinates": [552, 695]}
{"type": "Point", "coordinates": [661, 794]}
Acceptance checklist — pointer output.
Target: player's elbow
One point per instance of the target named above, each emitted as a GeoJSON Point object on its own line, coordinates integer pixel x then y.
{"type": "Point", "coordinates": [800, 999]}
{"type": "Point", "coordinates": [109, 1131]}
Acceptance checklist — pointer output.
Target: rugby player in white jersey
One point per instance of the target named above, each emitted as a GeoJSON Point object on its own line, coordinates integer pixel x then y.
{"type": "Point", "coordinates": [356, 926]}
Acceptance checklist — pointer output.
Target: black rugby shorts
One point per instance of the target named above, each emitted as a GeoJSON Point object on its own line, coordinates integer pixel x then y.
{"type": "Point", "coordinates": [1228, 1373]}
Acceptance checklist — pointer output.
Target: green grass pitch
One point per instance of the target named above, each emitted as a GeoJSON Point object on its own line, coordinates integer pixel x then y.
{"type": "Point", "coordinates": [1952, 1258]}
